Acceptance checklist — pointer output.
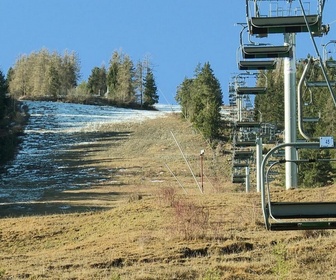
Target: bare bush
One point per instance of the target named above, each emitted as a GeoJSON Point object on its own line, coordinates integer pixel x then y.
{"type": "Point", "coordinates": [167, 195]}
{"type": "Point", "coordinates": [190, 220]}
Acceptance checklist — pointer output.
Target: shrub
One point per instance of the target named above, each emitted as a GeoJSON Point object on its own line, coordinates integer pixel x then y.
{"type": "Point", "coordinates": [190, 220]}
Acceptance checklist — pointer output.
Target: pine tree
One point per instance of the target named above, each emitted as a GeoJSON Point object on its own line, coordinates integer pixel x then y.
{"type": "Point", "coordinates": [271, 104]}
{"type": "Point", "coordinates": [208, 99]}
{"type": "Point", "coordinates": [183, 97]}
{"type": "Point", "coordinates": [315, 174]}
{"type": "Point", "coordinates": [201, 100]}
{"type": "Point", "coordinates": [3, 91]}
{"type": "Point", "coordinates": [53, 82]}
{"type": "Point", "coordinates": [150, 90]}
{"type": "Point", "coordinates": [97, 81]}
{"type": "Point", "coordinates": [112, 76]}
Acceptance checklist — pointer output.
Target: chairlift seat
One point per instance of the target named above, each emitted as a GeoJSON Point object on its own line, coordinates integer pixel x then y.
{"type": "Point", "coordinates": [302, 225]}
{"type": "Point", "coordinates": [238, 176]}
{"type": "Point", "coordinates": [251, 90]}
{"type": "Point", "coordinates": [243, 154]}
{"type": "Point", "coordinates": [257, 65]}
{"type": "Point", "coordinates": [245, 143]}
{"type": "Point", "coordinates": [302, 210]}
{"type": "Point", "coordinates": [247, 124]}
{"type": "Point", "coordinates": [256, 51]}
{"type": "Point", "coordinates": [319, 83]}
{"type": "Point", "coordinates": [240, 165]}
{"type": "Point", "coordinates": [284, 24]}
{"type": "Point", "coordinates": [330, 63]}
{"type": "Point", "coordinates": [272, 173]}
{"type": "Point", "coordinates": [238, 180]}
{"type": "Point", "coordinates": [311, 119]}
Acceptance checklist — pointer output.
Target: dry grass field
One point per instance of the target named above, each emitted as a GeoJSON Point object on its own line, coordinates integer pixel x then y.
{"type": "Point", "coordinates": [149, 220]}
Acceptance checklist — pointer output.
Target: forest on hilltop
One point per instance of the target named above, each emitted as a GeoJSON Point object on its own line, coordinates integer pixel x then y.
{"type": "Point", "coordinates": [54, 76]}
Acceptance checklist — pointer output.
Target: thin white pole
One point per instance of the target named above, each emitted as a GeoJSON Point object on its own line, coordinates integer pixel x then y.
{"type": "Point", "coordinates": [247, 179]}
{"type": "Point", "coordinates": [290, 112]}
{"type": "Point", "coordinates": [258, 161]}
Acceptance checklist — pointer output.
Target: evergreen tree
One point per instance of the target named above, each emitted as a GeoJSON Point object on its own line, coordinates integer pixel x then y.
{"type": "Point", "coordinates": [150, 90]}
{"type": "Point", "coordinates": [315, 174]}
{"type": "Point", "coordinates": [201, 100]}
{"type": "Point", "coordinates": [54, 82]}
{"type": "Point", "coordinates": [97, 81]}
{"type": "Point", "coordinates": [271, 104]}
{"type": "Point", "coordinates": [3, 91]}
{"type": "Point", "coordinates": [112, 76]}
{"type": "Point", "coordinates": [207, 97]}
{"type": "Point", "coordinates": [183, 97]}
{"type": "Point", "coordinates": [69, 71]}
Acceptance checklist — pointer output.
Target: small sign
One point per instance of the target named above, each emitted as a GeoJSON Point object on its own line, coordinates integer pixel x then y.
{"type": "Point", "coordinates": [327, 142]}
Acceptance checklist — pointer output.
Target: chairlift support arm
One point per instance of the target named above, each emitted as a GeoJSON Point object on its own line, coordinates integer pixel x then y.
{"type": "Point", "coordinates": [299, 101]}
{"type": "Point", "coordinates": [322, 2]}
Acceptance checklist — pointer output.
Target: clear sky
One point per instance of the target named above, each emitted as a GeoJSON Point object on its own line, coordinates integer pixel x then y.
{"type": "Point", "coordinates": [175, 34]}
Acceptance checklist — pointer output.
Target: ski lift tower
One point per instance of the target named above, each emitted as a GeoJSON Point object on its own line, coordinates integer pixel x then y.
{"type": "Point", "coordinates": [286, 17]}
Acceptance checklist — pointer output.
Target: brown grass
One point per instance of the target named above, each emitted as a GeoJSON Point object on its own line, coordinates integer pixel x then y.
{"type": "Point", "coordinates": [140, 224]}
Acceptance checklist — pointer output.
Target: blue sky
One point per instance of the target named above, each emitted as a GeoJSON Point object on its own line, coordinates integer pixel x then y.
{"type": "Point", "coordinates": [175, 34]}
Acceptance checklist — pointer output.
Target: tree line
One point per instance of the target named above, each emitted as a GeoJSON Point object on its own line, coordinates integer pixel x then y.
{"type": "Point", "coordinates": [44, 74]}
{"type": "Point", "coordinates": [51, 75]}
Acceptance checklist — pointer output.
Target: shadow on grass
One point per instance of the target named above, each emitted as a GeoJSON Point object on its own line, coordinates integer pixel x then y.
{"type": "Point", "coordinates": [63, 203]}
{"type": "Point", "coordinates": [70, 191]}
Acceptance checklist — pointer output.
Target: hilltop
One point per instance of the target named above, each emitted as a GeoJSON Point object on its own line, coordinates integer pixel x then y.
{"type": "Point", "coordinates": [144, 223]}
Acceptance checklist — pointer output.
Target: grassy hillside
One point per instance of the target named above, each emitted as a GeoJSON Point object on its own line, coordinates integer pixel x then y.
{"type": "Point", "coordinates": [142, 223]}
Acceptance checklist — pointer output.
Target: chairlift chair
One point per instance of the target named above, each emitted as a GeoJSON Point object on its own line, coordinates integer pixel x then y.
{"type": "Point", "coordinates": [264, 18]}
{"type": "Point", "coordinates": [309, 84]}
{"type": "Point", "coordinates": [242, 89]}
{"type": "Point", "coordinates": [249, 65]}
{"type": "Point", "coordinates": [244, 141]}
{"type": "Point", "coordinates": [329, 61]}
{"type": "Point", "coordinates": [266, 51]}
{"type": "Point", "coordinates": [291, 215]}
